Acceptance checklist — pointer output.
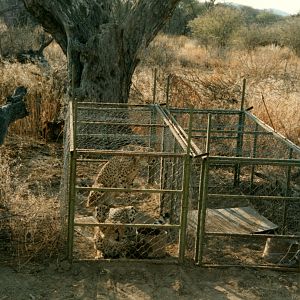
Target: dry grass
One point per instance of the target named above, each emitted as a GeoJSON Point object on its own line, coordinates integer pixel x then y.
{"type": "Point", "coordinates": [30, 225]}
{"type": "Point", "coordinates": [203, 79]}
{"type": "Point", "coordinates": [46, 87]}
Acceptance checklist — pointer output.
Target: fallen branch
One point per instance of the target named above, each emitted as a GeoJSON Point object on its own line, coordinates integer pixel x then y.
{"type": "Point", "coordinates": [14, 109]}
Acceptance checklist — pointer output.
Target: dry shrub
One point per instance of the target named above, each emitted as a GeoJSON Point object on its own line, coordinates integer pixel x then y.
{"type": "Point", "coordinates": [46, 88]}
{"type": "Point", "coordinates": [30, 227]}
{"type": "Point", "coordinates": [261, 63]}
{"type": "Point", "coordinates": [202, 79]}
{"type": "Point", "coordinates": [273, 76]}
{"type": "Point", "coordinates": [168, 51]}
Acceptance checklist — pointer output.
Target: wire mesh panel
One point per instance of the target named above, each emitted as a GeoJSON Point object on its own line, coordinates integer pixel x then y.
{"type": "Point", "coordinates": [257, 223]}
{"type": "Point", "coordinates": [244, 202]}
{"type": "Point", "coordinates": [128, 184]}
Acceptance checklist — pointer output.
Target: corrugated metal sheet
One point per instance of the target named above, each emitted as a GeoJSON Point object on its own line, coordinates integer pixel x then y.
{"type": "Point", "coordinates": [232, 220]}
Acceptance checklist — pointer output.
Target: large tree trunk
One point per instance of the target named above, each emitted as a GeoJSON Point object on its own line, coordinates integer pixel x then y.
{"type": "Point", "coordinates": [102, 44]}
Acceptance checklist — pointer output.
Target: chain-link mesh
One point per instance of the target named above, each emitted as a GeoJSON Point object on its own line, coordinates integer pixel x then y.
{"type": "Point", "coordinates": [130, 170]}
{"type": "Point", "coordinates": [249, 165]}
{"type": "Point", "coordinates": [129, 182]}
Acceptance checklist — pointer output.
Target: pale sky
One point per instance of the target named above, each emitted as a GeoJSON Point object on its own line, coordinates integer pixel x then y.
{"type": "Point", "coordinates": [289, 6]}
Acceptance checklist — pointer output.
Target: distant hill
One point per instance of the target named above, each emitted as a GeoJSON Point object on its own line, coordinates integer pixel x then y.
{"type": "Point", "coordinates": [278, 12]}
{"type": "Point", "coordinates": [272, 10]}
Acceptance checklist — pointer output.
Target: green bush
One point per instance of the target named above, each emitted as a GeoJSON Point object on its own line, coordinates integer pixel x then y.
{"type": "Point", "coordinates": [216, 27]}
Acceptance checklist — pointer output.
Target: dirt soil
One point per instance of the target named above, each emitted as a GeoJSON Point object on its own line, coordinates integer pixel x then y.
{"type": "Point", "coordinates": [138, 280]}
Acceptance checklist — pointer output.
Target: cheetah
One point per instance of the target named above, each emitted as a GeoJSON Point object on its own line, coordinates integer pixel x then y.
{"type": "Point", "coordinates": [118, 172]}
{"type": "Point", "coordinates": [101, 212]}
{"type": "Point", "coordinates": [115, 241]}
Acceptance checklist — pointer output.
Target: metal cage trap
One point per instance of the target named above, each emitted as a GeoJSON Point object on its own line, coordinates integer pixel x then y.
{"type": "Point", "coordinates": [151, 182]}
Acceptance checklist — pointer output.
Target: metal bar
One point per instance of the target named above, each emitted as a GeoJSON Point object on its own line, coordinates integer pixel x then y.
{"type": "Point", "coordinates": [208, 134]}
{"type": "Point", "coordinates": [185, 194]}
{"type": "Point", "coordinates": [128, 124]}
{"type": "Point", "coordinates": [277, 135]}
{"type": "Point", "coordinates": [122, 105]}
{"type": "Point", "coordinates": [255, 138]}
{"type": "Point", "coordinates": [255, 161]}
{"type": "Point", "coordinates": [287, 192]}
{"type": "Point", "coordinates": [115, 109]}
{"type": "Point", "coordinates": [123, 190]}
{"type": "Point", "coordinates": [72, 180]}
{"type": "Point", "coordinates": [203, 211]}
{"type": "Point", "coordinates": [200, 197]}
{"type": "Point", "coordinates": [252, 197]}
{"type": "Point", "coordinates": [176, 133]}
{"type": "Point", "coordinates": [154, 86]}
{"type": "Point", "coordinates": [181, 132]}
{"type": "Point", "coordinates": [71, 124]}
{"type": "Point", "coordinates": [129, 153]}
{"type": "Point", "coordinates": [206, 111]}
{"type": "Point", "coordinates": [92, 160]}
{"type": "Point", "coordinates": [254, 235]}
{"type": "Point", "coordinates": [204, 198]}
{"type": "Point", "coordinates": [152, 139]}
{"type": "Point", "coordinates": [71, 210]}
{"type": "Point", "coordinates": [231, 131]}
{"type": "Point", "coordinates": [214, 137]}
{"type": "Point", "coordinates": [175, 185]}
{"type": "Point", "coordinates": [167, 226]}
{"type": "Point", "coordinates": [162, 172]}
{"type": "Point", "coordinates": [240, 136]}
{"type": "Point", "coordinates": [111, 135]}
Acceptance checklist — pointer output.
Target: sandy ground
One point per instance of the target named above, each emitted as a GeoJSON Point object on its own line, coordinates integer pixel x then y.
{"type": "Point", "coordinates": [137, 280]}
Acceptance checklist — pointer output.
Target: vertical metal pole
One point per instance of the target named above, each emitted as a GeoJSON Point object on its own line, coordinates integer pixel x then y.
{"type": "Point", "coordinates": [287, 192]}
{"type": "Point", "coordinates": [152, 142]}
{"type": "Point", "coordinates": [203, 199]}
{"type": "Point", "coordinates": [240, 135]}
{"type": "Point", "coordinates": [208, 134]}
{"type": "Point", "coordinates": [72, 170]}
{"type": "Point", "coordinates": [175, 185]}
{"type": "Point", "coordinates": [255, 138]}
{"type": "Point", "coordinates": [185, 194]}
{"type": "Point", "coordinates": [200, 198]}
{"type": "Point", "coordinates": [168, 90]}
{"type": "Point", "coordinates": [154, 85]}
{"type": "Point", "coordinates": [72, 180]}
{"type": "Point", "coordinates": [164, 168]}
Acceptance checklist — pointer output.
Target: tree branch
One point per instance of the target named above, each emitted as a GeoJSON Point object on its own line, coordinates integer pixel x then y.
{"type": "Point", "coordinates": [63, 18]}
{"type": "Point", "coordinates": [14, 109]}
{"type": "Point", "coordinates": [146, 19]}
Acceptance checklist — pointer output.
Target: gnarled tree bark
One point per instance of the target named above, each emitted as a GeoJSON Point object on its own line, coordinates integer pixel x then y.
{"type": "Point", "coordinates": [102, 44]}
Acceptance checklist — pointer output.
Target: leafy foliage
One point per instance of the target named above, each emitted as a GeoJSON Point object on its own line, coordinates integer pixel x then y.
{"type": "Point", "coordinates": [216, 26]}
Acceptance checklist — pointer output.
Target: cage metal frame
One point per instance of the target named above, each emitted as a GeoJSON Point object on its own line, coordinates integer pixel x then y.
{"type": "Point", "coordinates": [74, 156]}
{"type": "Point", "coordinates": [204, 158]}
{"type": "Point", "coordinates": [184, 136]}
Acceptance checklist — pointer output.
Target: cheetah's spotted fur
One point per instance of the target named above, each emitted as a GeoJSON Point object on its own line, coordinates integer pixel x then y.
{"type": "Point", "coordinates": [115, 241]}
{"type": "Point", "coordinates": [118, 172]}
